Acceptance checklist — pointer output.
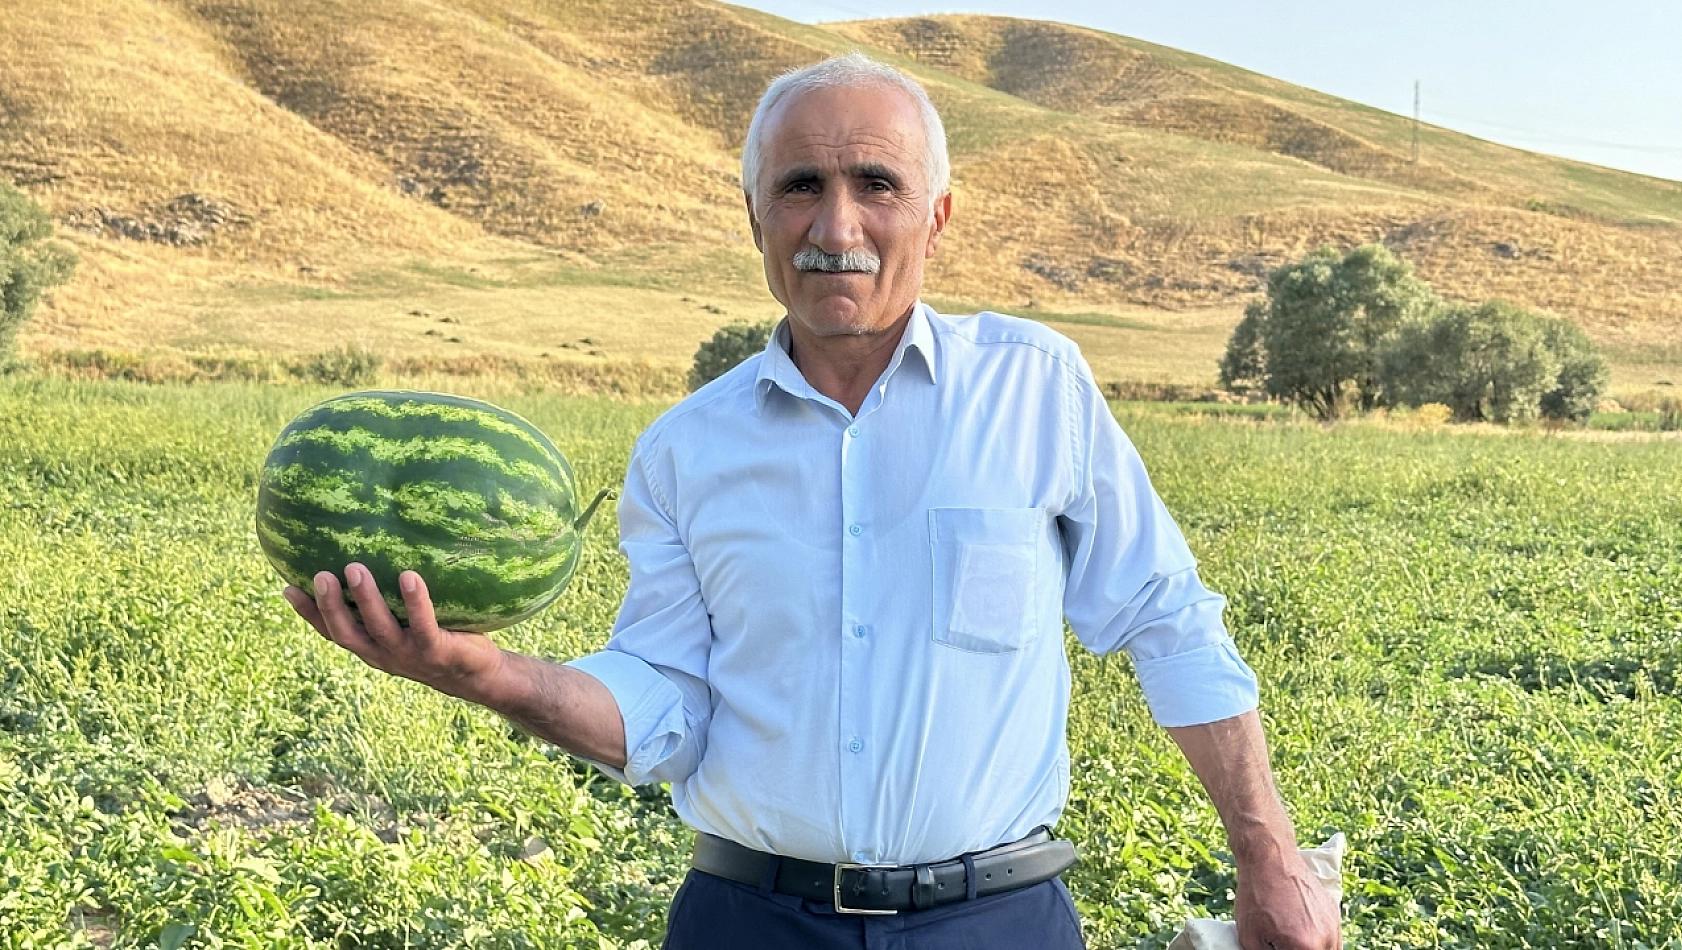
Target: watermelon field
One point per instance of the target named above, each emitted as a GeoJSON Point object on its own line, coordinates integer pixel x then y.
{"type": "Point", "coordinates": [1470, 650]}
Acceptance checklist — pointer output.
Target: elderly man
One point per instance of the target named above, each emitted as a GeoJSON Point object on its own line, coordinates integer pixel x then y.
{"type": "Point", "coordinates": [850, 559]}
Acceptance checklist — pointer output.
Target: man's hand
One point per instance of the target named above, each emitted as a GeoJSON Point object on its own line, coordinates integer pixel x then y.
{"type": "Point", "coordinates": [558, 704]}
{"type": "Point", "coordinates": [1280, 905]}
{"type": "Point", "coordinates": [460, 664]}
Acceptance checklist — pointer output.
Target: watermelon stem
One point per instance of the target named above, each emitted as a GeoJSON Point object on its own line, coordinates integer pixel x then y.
{"type": "Point", "coordinates": [584, 518]}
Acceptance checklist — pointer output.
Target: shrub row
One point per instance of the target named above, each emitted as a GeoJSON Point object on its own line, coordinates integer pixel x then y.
{"type": "Point", "coordinates": [1360, 331]}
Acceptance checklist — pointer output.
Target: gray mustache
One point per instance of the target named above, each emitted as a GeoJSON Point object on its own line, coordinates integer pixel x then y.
{"type": "Point", "coordinates": [853, 259]}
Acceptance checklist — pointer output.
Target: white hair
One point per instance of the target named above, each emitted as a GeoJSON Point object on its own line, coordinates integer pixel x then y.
{"type": "Point", "coordinates": [852, 70]}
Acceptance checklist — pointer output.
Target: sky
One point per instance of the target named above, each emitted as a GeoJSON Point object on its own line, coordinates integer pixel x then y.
{"type": "Point", "coordinates": [1597, 81]}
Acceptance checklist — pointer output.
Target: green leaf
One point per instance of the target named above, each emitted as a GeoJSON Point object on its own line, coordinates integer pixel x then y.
{"type": "Point", "coordinates": [174, 935]}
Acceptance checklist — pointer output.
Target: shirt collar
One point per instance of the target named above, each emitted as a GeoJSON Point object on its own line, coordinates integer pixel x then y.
{"type": "Point", "coordinates": [776, 367]}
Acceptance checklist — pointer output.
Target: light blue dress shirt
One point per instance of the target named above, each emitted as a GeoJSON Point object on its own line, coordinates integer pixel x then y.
{"type": "Point", "coordinates": [842, 639]}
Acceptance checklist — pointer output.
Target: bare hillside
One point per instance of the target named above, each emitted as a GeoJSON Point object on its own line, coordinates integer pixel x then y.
{"type": "Point", "coordinates": [1600, 244]}
{"type": "Point", "coordinates": [252, 173]}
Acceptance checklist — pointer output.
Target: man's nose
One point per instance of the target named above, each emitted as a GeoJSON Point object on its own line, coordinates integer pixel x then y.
{"type": "Point", "coordinates": [837, 226]}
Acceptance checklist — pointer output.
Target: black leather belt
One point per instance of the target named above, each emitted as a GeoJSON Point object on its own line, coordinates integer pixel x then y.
{"type": "Point", "coordinates": [880, 889]}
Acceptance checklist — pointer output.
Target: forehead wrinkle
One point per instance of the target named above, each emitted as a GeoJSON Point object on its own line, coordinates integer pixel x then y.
{"type": "Point", "coordinates": [853, 140]}
{"type": "Point", "coordinates": [793, 128]}
{"type": "Point", "coordinates": [819, 159]}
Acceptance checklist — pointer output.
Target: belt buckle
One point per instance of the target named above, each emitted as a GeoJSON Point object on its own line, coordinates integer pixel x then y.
{"type": "Point", "coordinates": [843, 909]}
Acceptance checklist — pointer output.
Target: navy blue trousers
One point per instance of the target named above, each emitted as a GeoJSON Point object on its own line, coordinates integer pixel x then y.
{"type": "Point", "coordinates": [712, 913]}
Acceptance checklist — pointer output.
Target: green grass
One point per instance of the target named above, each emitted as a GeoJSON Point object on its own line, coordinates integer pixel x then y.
{"type": "Point", "coordinates": [1257, 412]}
{"type": "Point", "coordinates": [1470, 652]}
{"type": "Point", "coordinates": [1631, 422]}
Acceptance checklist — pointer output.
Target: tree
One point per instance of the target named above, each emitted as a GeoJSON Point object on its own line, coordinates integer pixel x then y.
{"type": "Point", "coordinates": [1244, 366]}
{"type": "Point", "coordinates": [29, 262]}
{"type": "Point", "coordinates": [1583, 373]}
{"type": "Point", "coordinates": [1490, 362]}
{"type": "Point", "coordinates": [732, 344]}
{"type": "Point", "coordinates": [1315, 340]}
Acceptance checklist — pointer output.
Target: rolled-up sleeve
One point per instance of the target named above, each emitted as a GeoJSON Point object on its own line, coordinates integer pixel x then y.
{"type": "Point", "coordinates": [1132, 583]}
{"type": "Point", "coordinates": [655, 662]}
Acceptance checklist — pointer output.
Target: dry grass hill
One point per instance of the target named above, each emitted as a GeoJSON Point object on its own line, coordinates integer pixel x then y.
{"type": "Point", "coordinates": [528, 180]}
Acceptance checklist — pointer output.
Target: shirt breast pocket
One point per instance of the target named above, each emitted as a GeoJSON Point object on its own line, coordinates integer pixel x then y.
{"type": "Point", "coordinates": [986, 569]}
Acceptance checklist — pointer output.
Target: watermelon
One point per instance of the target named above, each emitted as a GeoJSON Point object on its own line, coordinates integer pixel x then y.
{"type": "Point", "coordinates": [471, 496]}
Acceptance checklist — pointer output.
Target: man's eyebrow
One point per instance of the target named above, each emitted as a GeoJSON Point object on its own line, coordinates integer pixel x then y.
{"type": "Point", "coordinates": [797, 174]}
{"type": "Point", "coordinates": [875, 170]}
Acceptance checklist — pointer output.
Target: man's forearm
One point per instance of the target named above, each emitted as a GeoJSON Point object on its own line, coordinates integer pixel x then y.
{"type": "Point", "coordinates": [558, 704]}
{"type": "Point", "coordinates": [1230, 759]}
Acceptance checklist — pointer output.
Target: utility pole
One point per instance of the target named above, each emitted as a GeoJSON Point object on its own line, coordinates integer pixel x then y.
{"type": "Point", "coordinates": [1415, 158]}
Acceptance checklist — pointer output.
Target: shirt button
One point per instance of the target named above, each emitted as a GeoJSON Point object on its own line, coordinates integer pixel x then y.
{"type": "Point", "coordinates": [861, 857]}
{"type": "Point", "coordinates": [855, 531]}
{"type": "Point", "coordinates": [859, 631]}
{"type": "Point", "coordinates": [853, 431]}
{"type": "Point", "coordinates": [857, 745]}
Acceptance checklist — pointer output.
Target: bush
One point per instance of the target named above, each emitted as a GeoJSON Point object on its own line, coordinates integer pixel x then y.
{"type": "Point", "coordinates": [1244, 365]}
{"type": "Point", "coordinates": [732, 344]}
{"type": "Point", "coordinates": [345, 366]}
{"type": "Point", "coordinates": [1489, 363]}
{"type": "Point", "coordinates": [1670, 414]}
{"type": "Point", "coordinates": [1494, 362]}
{"type": "Point", "coordinates": [1649, 400]}
{"type": "Point", "coordinates": [29, 263]}
{"type": "Point", "coordinates": [1583, 373]}
{"type": "Point", "coordinates": [1429, 416]}
{"type": "Point", "coordinates": [1314, 341]}
{"type": "Point", "coordinates": [1360, 331]}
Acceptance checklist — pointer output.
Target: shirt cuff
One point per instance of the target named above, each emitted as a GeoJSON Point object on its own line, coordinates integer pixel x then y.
{"type": "Point", "coordinates": [1202, 685]}
{"type": "Point", "coordinates": [650, 705]}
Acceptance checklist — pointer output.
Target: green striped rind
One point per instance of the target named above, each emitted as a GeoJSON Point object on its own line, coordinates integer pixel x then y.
{"type": "Point", "coordinates": [474, 498]}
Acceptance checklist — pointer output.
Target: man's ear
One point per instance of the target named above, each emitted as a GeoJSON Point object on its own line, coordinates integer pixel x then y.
{"type": "Point", "coordinates": [942, 214]}
{"type": "Point", "coordinates": [753, 222]}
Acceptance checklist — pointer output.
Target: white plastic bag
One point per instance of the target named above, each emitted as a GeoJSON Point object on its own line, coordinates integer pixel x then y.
{"type": "Point", "coordinates": [1326, 862]}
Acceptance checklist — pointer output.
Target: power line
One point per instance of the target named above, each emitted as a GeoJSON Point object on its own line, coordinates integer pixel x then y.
{"type": "Point", "coordinates": [1555, 138]}
{"type": "Point", "coordinates": [853, 11]}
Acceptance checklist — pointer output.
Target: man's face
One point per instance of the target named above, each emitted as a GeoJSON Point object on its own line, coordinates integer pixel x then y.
{"type": "Point", "coordinates": [842, 173]}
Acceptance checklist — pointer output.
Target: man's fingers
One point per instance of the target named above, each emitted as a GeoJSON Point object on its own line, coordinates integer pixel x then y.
{"type": "Point", "coordinates": [417, 601]}
{"type": "Point", "coordinates": [306, 608]}
{"type": "Point", "coordinates": [377, 620]}
{"type": "Point", "coordinates": [342, 628]}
